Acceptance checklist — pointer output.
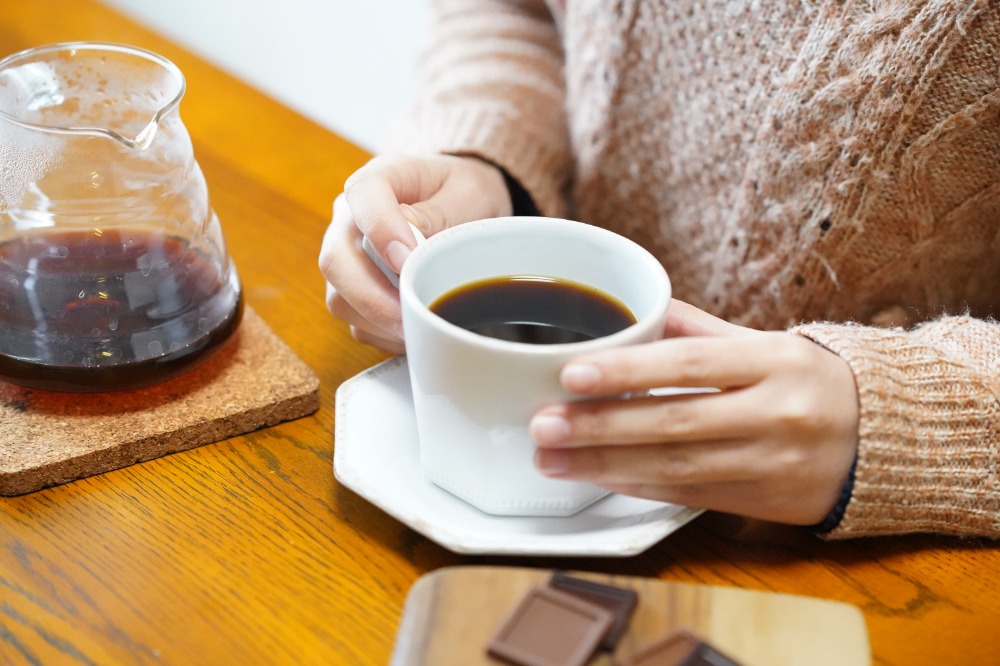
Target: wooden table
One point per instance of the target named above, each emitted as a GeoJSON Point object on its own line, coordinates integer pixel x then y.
{"type": "Point", "coordinates": [248, 551]}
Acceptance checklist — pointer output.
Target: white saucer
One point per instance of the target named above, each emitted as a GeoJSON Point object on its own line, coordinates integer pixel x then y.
{"type": "Point", "coordinates": [376, 455]}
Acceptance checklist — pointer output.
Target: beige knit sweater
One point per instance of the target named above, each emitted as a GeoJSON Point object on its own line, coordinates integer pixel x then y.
{"type": "Point", "coordinates": [828, 167]}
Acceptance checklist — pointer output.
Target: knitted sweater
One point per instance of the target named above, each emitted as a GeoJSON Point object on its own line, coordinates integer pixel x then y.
{"type": "Point", "coordinates": [830, 168]}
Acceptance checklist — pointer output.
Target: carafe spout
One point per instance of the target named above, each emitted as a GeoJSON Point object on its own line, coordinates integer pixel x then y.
{"type": "Point", "coordinates": [144, 138]}
{"type": "Point", "coordinates": [141, 141]}
{"type": "Point", "coordinates": [107, 90]}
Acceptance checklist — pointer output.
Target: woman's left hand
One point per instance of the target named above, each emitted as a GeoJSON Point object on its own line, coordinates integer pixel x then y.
{"type": "Point", "coordinates": [775, 442]}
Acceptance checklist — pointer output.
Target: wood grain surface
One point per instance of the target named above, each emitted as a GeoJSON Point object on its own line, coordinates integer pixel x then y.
{"type": "Point", "coordinates": [248, 552]}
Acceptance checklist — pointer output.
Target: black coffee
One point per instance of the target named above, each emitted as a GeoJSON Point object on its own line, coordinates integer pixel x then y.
{"type": "Point", "coordinates": [536, 310]}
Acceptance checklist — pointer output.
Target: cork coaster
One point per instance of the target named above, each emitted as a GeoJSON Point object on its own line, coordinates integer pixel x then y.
{"type": "Point", "coordinates": [253, 381]}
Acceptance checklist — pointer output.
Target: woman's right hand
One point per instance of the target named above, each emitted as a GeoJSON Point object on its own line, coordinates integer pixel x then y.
{"type": "Point", "coordinates": [433, 193]}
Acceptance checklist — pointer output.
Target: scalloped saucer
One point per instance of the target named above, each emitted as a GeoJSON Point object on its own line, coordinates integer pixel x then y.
{"type": "Point", "coordinates": [376, 456]}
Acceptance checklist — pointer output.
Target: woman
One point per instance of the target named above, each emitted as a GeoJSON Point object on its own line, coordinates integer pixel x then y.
{"type": "Point", "coordinates": [821, 181]}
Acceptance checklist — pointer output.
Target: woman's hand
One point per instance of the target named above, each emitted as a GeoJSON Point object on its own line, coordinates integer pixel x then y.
{"type": "Point", "coordinates": [432, 193]}
{"type": "Point", "coordinates": [776, 442]}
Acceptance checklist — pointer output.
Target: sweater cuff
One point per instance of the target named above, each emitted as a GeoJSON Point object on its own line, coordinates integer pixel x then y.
{"type": "Point", "coordinates": [539, 164]}
{"type": "Point", "coordinates": [924, 447]}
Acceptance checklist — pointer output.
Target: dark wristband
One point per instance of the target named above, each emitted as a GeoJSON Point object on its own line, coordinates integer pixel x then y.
{"type": "Point", "coordinates": [836, 515]}
{"type": "Point", "coordinates": [523, 204]}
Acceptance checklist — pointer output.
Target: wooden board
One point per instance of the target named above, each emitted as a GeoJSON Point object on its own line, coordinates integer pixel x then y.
{"type": "Point", "coordinates": [451, 613]}
{"type": "Point", "coordinates": [48, 438]}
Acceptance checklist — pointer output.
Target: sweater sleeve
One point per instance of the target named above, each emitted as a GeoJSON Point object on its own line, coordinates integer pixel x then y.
{"type": "Point", "coordinates": [929, 433]}
{"type": "Point", "coordinates": [490, 84]}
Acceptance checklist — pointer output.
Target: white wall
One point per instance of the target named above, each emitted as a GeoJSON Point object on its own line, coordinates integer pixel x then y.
{"type": "Point", "coordinates": [344, 63]}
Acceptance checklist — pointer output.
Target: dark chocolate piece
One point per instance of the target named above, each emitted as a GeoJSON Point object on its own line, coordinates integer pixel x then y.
{"type": "Point", "coordinates": [680, 649]}
{"type": "Point", "coordinates": [550, 628]}
{"type": "Point", "coordinates": [621, 601]}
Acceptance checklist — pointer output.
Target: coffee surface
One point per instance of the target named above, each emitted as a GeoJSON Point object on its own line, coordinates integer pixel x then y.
{"type": "Point", "coordinates": [534, 310]}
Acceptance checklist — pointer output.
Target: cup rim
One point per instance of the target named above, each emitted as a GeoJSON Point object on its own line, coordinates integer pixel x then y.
{"type": "Point", "coordinates": [640, 329]}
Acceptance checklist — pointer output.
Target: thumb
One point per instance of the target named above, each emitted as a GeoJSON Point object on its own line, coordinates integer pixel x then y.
{"type": "Point", "coordinates": [685, 320]}
{"type": "Point", "coordinates": [425, 216]}
{"type": "Point", "coordinates": [468, 189]}
{"type": "Point", "coordinates": [441, 211]}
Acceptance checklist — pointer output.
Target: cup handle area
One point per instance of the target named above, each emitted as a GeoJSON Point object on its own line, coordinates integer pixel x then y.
{"type": "Point", "coordinates": [382, 266]}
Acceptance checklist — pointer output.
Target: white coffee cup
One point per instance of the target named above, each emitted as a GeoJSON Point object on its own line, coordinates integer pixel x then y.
{"type": "Point", "coordinates": [475, 395]}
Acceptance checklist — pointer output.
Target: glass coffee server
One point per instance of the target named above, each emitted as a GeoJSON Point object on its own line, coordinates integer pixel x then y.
{"type": "Point", "coordinates": [114, 273]}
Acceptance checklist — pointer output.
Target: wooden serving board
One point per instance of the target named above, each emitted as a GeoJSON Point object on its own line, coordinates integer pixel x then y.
{"type": "Point", "coordinates": [450, 615]}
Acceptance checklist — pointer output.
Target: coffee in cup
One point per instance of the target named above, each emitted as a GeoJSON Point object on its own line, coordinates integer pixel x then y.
{"type": "Point", "coordinates": [534, 309]}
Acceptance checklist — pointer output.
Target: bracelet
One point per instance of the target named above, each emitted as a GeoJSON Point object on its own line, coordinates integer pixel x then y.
{"type": "Point", "coordinates": [836, 515]}
{"type": "Point", "coordinates": [520, 199]}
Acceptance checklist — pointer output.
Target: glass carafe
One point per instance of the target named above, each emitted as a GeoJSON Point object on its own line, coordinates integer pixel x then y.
{"type": "Point", "coordinates": [114, 272]}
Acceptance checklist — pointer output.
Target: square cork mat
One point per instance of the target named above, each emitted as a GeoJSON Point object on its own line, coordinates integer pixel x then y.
{"type": "Point", "coordinates": [253, 381]}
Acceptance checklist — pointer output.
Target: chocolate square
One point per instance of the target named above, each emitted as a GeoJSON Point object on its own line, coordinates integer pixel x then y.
{"type": "Point", "coordinates": [550, 628]}
{"type": "Point", "coordinates": [621, 601]}
{"type": "Point", "coordinates": [680, 649]}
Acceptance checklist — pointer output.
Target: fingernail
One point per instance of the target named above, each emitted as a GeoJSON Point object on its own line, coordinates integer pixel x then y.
{"type": "Point", "coordinates": [552, 462]}
{"type": "Point", "coordinates": [416, 218]}
{"type": "Point", "coordinates": [580, 377]}
{"type": "Point", "coordinates": [549, 429]}
{"type": "Point", "coordinates": [396, 253]}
